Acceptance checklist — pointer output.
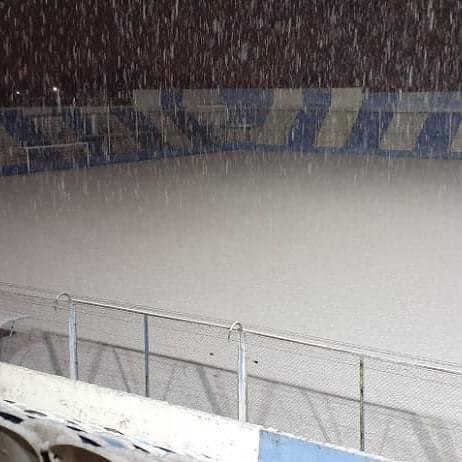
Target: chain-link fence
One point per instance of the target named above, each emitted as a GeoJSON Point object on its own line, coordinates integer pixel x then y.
{"type": "Point", "coordinates": [398, 407]}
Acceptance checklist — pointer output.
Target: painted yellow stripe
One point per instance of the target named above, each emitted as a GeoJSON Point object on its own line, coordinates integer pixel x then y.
{"type": "Point", "coordinates": [403, 131]}
{"type": "Point", "coordinates": [337, 126]}
{"type": "Point", "coordinates": [203, 99]}
{"type": "Point", "coordinates": [456, 145]}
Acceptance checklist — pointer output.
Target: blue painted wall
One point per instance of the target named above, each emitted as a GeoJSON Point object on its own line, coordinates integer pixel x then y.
{"type": "Point", "coordinates": [280, 448]}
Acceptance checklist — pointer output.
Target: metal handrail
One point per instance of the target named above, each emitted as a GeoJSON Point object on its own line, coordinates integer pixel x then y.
{"type": "Point", "coordinates": [390, 358]}
{"type": "Point", "coordinates": [358, 353]}
{"type": "Point", "coordinates": [145, 311]}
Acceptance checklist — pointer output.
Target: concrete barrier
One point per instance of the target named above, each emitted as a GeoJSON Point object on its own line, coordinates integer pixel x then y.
{"type": "Point", "coordinates": [132, 419]}
{"type": "Point", "coordinates": [178, 429]}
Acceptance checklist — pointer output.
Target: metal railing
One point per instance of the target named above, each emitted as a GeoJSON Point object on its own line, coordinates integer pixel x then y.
{"type": "Point", "coordinates": [392, 405]}
{"type": "Point", "coordinates": [73, 363]}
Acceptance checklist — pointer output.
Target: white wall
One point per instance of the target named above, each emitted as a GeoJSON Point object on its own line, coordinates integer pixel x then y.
{"type": "Point", "coordinates": [185, 431]}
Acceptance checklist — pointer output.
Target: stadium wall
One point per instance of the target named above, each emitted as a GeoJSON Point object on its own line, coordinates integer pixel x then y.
{"type": "Point", "coordinates": [187, 122]}
{"type": "Point", "coordinates": [114, 423]}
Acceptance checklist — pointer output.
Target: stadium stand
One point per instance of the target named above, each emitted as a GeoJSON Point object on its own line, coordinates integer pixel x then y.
{"type": "Point", "coordinates": [183, 122]}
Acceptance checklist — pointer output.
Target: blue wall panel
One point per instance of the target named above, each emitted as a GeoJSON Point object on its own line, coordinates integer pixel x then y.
{"type": "Point", "coordinates": [280, 448]}
{"type": "Point", "coordinates": [434, 137]}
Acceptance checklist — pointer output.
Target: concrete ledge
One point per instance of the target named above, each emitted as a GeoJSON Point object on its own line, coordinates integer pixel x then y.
{"type": "Point", "coordinates": [198, 435]}
{"type": "Point", "coordinates": [189, 434]}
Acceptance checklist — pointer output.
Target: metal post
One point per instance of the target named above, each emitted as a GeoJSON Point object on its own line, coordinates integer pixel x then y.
{"type": "Point", "coordinates": [361, 405]}
{"type": "Point", "coordinates": [136, 121]}
{"type": "Point", "coordinates": [28, 160]}
{"type": "Point", "coordinates": [242, 378]}
{"type": "Point", "coordinates": [72, 334]}
{"type": "Point", "coordinates": [73, 357]}
{"type": "Point", "coordinates": [109, 142]}
{"type": "Point", "coordinates": [146, 356]}
{"type": "Point", "coordinates": [137, 134]}
{"type": "Point", "coordinates": [13, 325]}
{"type": "Point", "coordinates": [242, 372]}
{"type": "Point", "coordinates": [88, 154]}
{"type": "Point", "coordinates": [58, 101]}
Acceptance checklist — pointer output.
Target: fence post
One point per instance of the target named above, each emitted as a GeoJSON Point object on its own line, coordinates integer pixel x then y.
{"type": "Point", "coordinates": [361, 405]}
{"type": "Point", "coordinates": [73, 356]}
{"type": "Point", "coordinates": [136, 120]}
{"type": "Point", "coordinates": [72, 336]}
{"type": "Point", "coordinates": [146, 356]}
{"type": "Point", "coordinates": [28, 160]}
{"type": "Point", "coordinates": [88, 154]}
{"type": "Point", "coordinates": [242, 372]}
{"type": "Point", "coordinates": [109, 141]}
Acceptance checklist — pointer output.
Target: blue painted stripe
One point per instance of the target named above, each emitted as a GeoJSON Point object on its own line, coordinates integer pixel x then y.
{"type": "Point", "coordinates": [372, 122]}
{"type": "Point", "coordinates": [149, 136]}
{"type": "Point", "coordinates": [307, 125]}
{"type": "Point", "coordinates": [20, 128]}
{"type": "Point", "coordinates": [380, 101]}
{"type": "Point", "coordinates": [319, 98]}
{"type": "Point", "coordinates": [280, 448]}
{"type": "Point", "coordinates": [172, 105]}
{"type": "Point", "coordinates": [365, 132]}
{"type": "Point", "coordinates": [434, 136]}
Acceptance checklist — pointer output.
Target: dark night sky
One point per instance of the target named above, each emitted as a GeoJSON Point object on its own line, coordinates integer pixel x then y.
{"type": "Point", "coordinates": [92, 46]}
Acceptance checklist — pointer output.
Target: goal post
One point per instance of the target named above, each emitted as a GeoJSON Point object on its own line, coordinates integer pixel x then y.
{"type": "Point", "coordinates": [61, 150]}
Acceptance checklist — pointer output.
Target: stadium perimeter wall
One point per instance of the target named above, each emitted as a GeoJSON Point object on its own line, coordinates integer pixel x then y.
{"type": "Point", "coordinates": [182, 431]}
{"type": "Point", "coordinates": [184, 122]}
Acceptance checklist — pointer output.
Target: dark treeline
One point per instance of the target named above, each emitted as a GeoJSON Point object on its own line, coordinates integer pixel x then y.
{"type": "Point", "coordinates": [95, 47]}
